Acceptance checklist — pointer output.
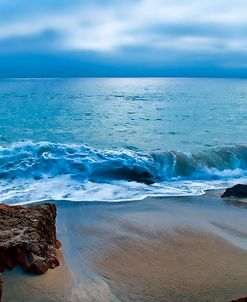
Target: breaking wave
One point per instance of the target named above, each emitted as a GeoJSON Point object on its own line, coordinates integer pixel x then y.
{"type": "Point", "coordinates": [41, 171]}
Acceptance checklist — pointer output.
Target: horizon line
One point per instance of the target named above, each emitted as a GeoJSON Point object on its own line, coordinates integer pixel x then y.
{"type": "Point", "coordinates": [124, 77]}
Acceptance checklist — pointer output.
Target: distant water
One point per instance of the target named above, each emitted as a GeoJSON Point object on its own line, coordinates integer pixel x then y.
{"type": "Point", "coordinates": [120, 139]}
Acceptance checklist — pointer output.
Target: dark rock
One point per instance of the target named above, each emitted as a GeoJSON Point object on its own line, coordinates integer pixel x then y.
{"type": "Point", "coordinates": [239, 191]}
{"type": "Point", "coordinates": [133, 175]}
{"type": "Point", "coordinates": [124, 173]}
{"type": "Point", "coordinates": [1, 283]}
{"type": "Point", "coordinates": [240, 300]}
{"type": "Point", "coordinates": [28, 237]}
{"type": "Point", "coordinates": [146, 178]}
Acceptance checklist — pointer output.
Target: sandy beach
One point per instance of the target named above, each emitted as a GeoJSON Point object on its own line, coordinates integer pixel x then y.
{"type": "Point", "coordinates": [123, 136]}
{"type": "Point", "coordinates": [158, 249]}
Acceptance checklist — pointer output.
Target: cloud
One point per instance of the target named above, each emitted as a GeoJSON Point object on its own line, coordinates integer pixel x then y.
{"type": "Point", "coordinates": [92, 26]}
{"type": "Point", "coordinates": [148, 31]}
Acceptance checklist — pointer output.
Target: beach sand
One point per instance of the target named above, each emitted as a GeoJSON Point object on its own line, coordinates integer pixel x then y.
{"type": "Point", "coordinates": [55, 285]}
{"type": "Point", "coordinates": [159, 249]}
{"type": "Point", "coordinates": [181, 266]}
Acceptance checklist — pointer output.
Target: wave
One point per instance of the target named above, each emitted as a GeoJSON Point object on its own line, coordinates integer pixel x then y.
{"type": "Point", "coordinates": [39, 160]}
{"type": "Point", "coordinates": [58, 171]}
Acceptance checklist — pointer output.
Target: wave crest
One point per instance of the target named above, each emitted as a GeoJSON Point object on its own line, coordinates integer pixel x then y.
{"type": "Point", "coordinates": [39, 160]}
{"type": "Point", "coordinates": [45, 171]}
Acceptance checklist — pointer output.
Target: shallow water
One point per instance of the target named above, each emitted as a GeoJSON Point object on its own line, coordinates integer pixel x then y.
{"type": "Point", "coordinates": [107, 139]}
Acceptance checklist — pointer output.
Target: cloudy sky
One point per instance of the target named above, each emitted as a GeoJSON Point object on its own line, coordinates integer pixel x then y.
{"type": "Point", "coordinates": [123, 38]}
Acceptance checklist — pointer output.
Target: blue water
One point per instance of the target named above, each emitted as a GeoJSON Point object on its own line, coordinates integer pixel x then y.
{"type": "Point", "coordinates": [120, 139]}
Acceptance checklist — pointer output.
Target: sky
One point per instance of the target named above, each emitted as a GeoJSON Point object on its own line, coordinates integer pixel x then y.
{"type": "Point", "coordinates": [73, 38]}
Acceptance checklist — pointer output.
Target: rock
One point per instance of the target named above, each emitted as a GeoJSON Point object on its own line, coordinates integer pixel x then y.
{"type": "Point", "coordinates": [28, 237]}
{"type": "Point", "coordinates": [1, 283]}
{"type": "Point", "coordinates": [135, 175]}
{"type": "Point", "coordinates": [239, 191]}
{"type": "Point", "coordinates": [240, 300]}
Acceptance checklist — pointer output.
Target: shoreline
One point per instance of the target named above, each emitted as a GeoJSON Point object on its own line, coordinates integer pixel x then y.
{"type": "Point", "coordinates": [156, 248]}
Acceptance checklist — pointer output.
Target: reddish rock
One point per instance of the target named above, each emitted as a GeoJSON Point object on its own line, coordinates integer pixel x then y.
{"type": "Point", "coordinates": [28, 237]}
{"type": "Point", "coordinates": [1, 283]}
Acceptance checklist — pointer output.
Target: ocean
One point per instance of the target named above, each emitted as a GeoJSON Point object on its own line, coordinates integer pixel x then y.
{"type": "Point", "coordinates": [120, 139]}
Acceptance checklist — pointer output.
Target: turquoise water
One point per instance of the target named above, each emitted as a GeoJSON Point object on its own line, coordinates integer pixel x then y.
{"type": "Point", "coordinates": [117, 139]}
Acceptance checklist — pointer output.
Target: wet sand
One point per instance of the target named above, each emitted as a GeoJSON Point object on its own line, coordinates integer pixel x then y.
{"type": "Point", "coordinates": [181, 266]}
{"type": "Point", "coordinates": [158, 249]}
{"type": "Point", "coordinates": [55, 285]}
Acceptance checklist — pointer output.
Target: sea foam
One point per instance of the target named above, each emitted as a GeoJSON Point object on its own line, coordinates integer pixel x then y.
{"type": "Point", "coordinates": [47, 171]}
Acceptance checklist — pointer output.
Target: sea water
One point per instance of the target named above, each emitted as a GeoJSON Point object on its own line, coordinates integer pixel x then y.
{"type": "Point", "coordinates": [116, 139]}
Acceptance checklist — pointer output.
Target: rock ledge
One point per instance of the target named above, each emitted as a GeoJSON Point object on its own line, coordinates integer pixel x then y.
{"type": "Point", "coordinates": [28, 238]}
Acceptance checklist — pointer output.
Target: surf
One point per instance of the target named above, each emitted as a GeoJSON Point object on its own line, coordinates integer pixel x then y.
{"type": "Point", "coordinates": [32, 171]}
